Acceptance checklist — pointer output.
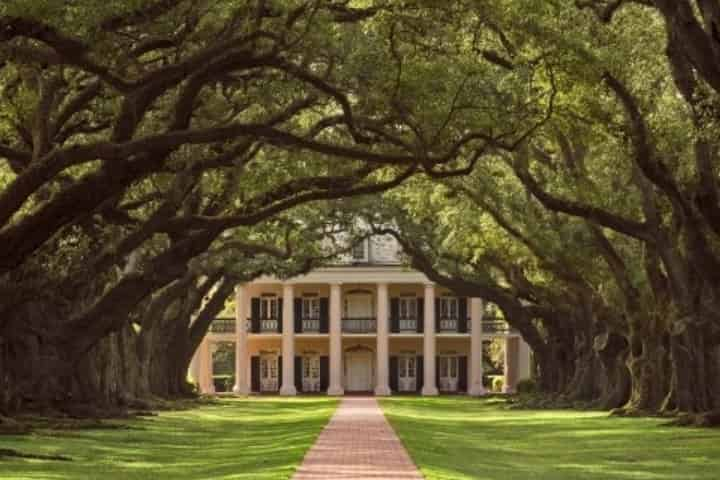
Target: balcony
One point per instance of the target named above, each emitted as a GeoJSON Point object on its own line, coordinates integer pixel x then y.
{"type": "Point", "coordinates": [269, 325]}
{"type": "Point", "coordinates": [448, 325]}
{"type": "Point", "coordinates": [310, 325]}
{"type": "Point", "coordinates": [407, 325]}
{"type": "Point", "coordinates": [496, 326]}
{"type": "Point", "coordinates": [223, 325]}
{"type": "Point", "coordinates": [359, 325]}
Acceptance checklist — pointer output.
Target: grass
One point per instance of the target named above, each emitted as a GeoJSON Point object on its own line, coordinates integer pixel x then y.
{"type": "Point", "coordinates": [258, 438]}
{"type": "Point", "coordinates": [463, 438]}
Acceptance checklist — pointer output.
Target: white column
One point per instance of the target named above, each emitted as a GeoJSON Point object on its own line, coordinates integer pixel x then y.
{"type": "Point", "coordinates": [242, 384]}
{"type": "Point", "coordinates": [524, 360]}
{"type": "Point", "coordinates": [476, 348]}
{"type": "Point", "coordinates": [195, 368]}
{"type": "Point", "coordinates": [429, 386]}
{"type": "Point", "coordinates": [511, 364]}
{"type": "Point", "coordinates": [335, 387]}
{"type": "Point", "coordinates": [207, 386]}
{"type": "Point", "coordinates": [288, 342]}
{"type": "Point", "coordinates": [382, 386]}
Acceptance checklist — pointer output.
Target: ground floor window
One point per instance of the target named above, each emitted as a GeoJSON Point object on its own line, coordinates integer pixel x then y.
{"type": "Point", "coordinates": [448, 373]}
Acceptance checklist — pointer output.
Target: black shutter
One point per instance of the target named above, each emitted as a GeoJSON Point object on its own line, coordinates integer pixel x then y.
{"type": "Point", "coordinates": [420, 372]}
{"type": "Point", "coordinates": [255, 374]}
{"type": "Point", "coordinates": [298, 315]}
{"type": "Point", "coordinates": [394, 374]}
{"type": "Point", "coordinates": [421, 315]}
{"type": "Point", "coordinates": [394, 315]}
{"type": "Point", "coordinates": [437, 314]}
{"type": "Point", "coordinates": [324, 315]}
{"type": "Point", "coordinates": [324, 373]}
{"type": "Point", "coordinates": [280, 380]}
{"type": "Point", "coordinates": [437, 372]}
{"type": "Point", "coordinates": [280, 314]}
{"type": "Point", "coordinates": [298, 373]}
{"type": "Point", "coordinates": [462, 373]}
{"type": "Point", "coordinates": [462, 314]}
{"type": "Point", "coordinates": [255, 315]}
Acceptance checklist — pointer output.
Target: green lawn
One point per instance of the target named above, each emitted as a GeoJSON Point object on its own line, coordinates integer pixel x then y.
{"type": "Point", "coordinates": [462, 438]}
{"type": "Point", "coordinates": [258, 438]}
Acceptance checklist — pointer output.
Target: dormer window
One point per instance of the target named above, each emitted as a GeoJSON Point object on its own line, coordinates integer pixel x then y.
{"type": "Point", "coordinates": [360, 251]}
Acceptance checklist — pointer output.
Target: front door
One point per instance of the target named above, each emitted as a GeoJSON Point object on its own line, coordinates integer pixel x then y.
{"type": "Point", "coordinates": [407, 373]}
{"type": "Point", "coordinates": [269, 373]}
{"type": "Point", "coordinates": [311, 373]}
{"type": "Point", "coordinates": [448, 373]}
{"type": "Point", "coordinates": [358, 372]}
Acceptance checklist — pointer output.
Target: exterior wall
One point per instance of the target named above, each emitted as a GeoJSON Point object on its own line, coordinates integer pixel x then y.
{"type": "Point", "coordinates": [400, 282]}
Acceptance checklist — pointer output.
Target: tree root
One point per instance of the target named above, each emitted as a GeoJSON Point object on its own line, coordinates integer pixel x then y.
{"type": "Point", "coordinates": [704, 420]}
{"type": "Point", "coordinates": [9, 426]}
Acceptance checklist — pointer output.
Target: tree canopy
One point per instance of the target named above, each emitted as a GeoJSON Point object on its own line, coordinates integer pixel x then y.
{"type": "Point", "coordinates": [558, 159]}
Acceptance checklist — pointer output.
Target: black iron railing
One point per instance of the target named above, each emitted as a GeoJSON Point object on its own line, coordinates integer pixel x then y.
{"type": "Point", "coordinates": [359, 325]}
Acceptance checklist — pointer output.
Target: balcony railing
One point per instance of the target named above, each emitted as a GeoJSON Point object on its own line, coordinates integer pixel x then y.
{"type": "Point", "coordinates": [448, 325]}
{"type": "Point", "coordinates": [498, 327]}
{"type": "Point", "coordinates": [408, 324]}
{"type": "Point", "coordinates": [359, 325]}
{"type": "Point", "coordinates": [311, 325]}
{"type": "Point", "coordinates": [269, 325]}
{"type": "Point", "coordinates": [223, 325]}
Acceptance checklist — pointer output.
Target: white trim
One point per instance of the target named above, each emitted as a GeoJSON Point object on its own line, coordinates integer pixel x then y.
{"type": "Point", "coordinates": [361, 274]}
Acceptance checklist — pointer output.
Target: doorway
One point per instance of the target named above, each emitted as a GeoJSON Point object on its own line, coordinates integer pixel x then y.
{"type": "Point", "coordinates": [359, 370]}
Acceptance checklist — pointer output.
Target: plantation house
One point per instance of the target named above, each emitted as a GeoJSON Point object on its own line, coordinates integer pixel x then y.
{"type": "Point", "coordinates": [364, 324]}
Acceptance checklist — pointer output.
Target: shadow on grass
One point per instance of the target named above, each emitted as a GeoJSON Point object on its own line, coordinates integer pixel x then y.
{"type": "Point", "coordinates": [464, 438]}
{"type": "Point", "coordinates": [255, 438]}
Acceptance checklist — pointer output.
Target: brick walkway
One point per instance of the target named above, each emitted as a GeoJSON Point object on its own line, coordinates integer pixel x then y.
{"type": "Point", "coordinates": [357, 444]}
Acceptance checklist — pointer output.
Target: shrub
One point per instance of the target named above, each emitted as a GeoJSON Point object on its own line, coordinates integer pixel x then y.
{"type": "Point", "coordinates": [526, 386]}
{"type": "Point", "coordinates": [497, 384]}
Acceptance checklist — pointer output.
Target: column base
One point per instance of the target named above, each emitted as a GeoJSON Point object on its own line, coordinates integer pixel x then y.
{"type": "Point", "coordinates": [430, 392]}
{"type": "Point", "coordinates": [477, 391]}
{"type": "Point", "coordinates": [509, 390]}
{"type": "Point", "coordinates": [242, 391]}
{"type": "Point", "coordinates": [335, 391]}
{"type": "Point", "coordinates": [383, 391]}
{"type": "Point", "coordinates": [288, 391]}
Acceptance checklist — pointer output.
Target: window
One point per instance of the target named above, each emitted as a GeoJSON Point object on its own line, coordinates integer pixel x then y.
{"type": "Point", "coordinates": [315, 368]}
{"type": "Point", "coordinates": [449, 307]}
{"type": "Point", "coordinates": [310, 308]}
{"type": "Point", "coordinates": [443, 366]}
{"type": "Point", "coordinates": [359, 251]}
{"type": "Point", "coordinates": [408, 308]}
{"type": "Point", "coordinates": [269, 308]}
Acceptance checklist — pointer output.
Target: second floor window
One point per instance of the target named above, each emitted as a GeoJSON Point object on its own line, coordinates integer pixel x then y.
{"type": "Point", "coordinates": [448, 307]}
{"type": "Point", "coordinates": [269, 308]}
{"type": "Point", "coordinates": [310, 308]}
{"type": "Point", "coordinates": [359, 251]}
{"type": "Point", "coordinates": [408, 308]}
